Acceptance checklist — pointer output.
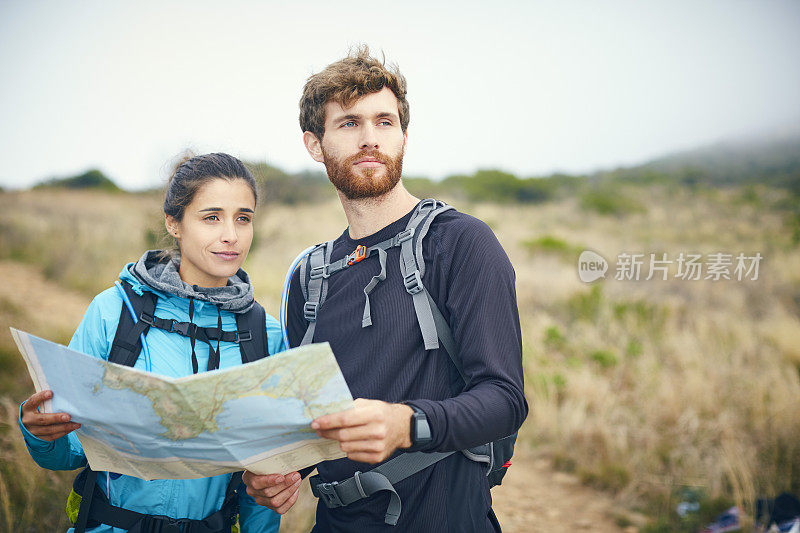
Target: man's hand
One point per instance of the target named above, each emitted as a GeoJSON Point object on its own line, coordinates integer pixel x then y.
{"type": "Point", "coordinates": [46, 426]}
{"type": "Point", "coordinates": [274, 491]}
{"type": "Point", "coordinates": [370, 431]}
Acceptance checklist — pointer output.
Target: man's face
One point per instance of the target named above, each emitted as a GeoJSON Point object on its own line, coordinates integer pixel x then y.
{"type": "Point", "coordinates": [363, 145]}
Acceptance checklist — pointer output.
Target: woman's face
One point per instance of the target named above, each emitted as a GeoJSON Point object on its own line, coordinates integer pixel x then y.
{"type": "Point", "coordinates": [215, 233]}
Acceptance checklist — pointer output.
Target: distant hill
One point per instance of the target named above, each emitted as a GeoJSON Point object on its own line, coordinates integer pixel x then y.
{"type": "Point", "coordinates": [771, 161]}
{"type": "Point", "coordinates": [91, 179]}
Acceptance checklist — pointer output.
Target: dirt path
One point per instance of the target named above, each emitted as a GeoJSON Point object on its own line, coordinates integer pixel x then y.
{"type": "Point", "coordinates": [31, 302]}
{"type": "Point", "coordinates": [532, 498]}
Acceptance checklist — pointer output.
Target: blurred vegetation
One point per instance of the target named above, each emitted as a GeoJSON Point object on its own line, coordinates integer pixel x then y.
{"type": "Point", "coordinates": [637, 392]}
{"type": "Point", "coordinates": [277, 186]}
{"type": "Point", "coordinates": [91, 179]}
{"type": "Point", "coordinates": [749, 165]}
{"type": "Point", "coordinates": [610, 201]}
{"type": "Point", "coordinates": [550, 244]}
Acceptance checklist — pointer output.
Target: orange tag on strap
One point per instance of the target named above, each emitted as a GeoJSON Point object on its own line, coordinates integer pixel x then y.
{"type": "Point", "coordinates": [358, 255]}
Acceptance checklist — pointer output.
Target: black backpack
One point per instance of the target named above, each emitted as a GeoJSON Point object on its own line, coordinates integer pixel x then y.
{"type": "Point", "coordinates": [250, 335]}
{"type": "Point", "coordinates": [315, 270]}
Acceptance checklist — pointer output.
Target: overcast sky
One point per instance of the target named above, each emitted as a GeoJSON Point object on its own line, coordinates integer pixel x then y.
{"type": "Point", "coordinates": [529, 87]}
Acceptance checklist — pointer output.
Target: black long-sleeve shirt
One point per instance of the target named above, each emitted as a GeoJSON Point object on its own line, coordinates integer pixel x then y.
{"type": "Point", "coordinates": [471, 279]}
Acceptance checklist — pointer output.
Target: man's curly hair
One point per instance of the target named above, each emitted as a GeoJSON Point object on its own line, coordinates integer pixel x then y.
{"type": "Point", "coordinates": [344, 82]}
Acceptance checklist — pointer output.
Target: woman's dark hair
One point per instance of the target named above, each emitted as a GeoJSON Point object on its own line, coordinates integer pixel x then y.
{"type": "Point", "coordinates": [193, 172]}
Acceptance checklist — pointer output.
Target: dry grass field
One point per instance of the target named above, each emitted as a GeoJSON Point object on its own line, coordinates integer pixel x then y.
{"type": "Point", "coordinates": [639, 389]}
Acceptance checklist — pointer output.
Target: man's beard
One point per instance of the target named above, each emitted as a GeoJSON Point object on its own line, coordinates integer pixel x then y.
{"type": "Point", "coordinates": [363, 183]}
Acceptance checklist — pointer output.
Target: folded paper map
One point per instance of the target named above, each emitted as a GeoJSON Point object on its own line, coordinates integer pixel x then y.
{"type": "Point", "coordinates": [255, 416]}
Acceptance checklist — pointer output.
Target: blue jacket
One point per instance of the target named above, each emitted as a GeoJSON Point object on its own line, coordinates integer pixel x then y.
{"type": "Point", "coordinates": [170, 356]}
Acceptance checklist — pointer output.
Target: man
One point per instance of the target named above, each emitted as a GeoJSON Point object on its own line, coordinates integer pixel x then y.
{"type": "Point", "coordinates": [354, 116]}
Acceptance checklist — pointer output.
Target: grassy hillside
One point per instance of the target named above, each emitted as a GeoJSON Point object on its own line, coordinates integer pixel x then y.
{"type": "Point", "coordinates": [641, 388]}
{"type": "Point", "coordinates": [773, 160]}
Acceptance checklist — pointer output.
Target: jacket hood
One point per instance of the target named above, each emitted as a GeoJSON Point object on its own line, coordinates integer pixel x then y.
{"type": "Point", "coordinates": [160, 275]}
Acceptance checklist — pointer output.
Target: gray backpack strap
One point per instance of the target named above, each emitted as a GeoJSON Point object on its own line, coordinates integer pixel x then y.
{"type": "Point", "coordinates": [303, 276]}
{"type": "Point", "coordinates": [422, 231]}
{"type": "Point", "coordinates": [382, 478]}
{"type": "Point", "coordinates": [483, 453]}
{"type": "Point", "coordinates": [317, 287]}
{"type": "Point", "coordinates": [367, 318]}
{"type": "Point", "coordinates": [446, 337]}
{"type": "Point", "coordinates": [412, 266]}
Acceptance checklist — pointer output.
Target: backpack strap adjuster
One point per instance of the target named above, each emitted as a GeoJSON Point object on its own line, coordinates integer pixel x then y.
{"type": "Point", "coordinates": [320, 272]}
{"type": "Point", "coordinates": [404, 235]}
{"type": "Point", "coordinates": [413, 282]}
{"type": "Point", "coordinates": [146, 318]}
{"type": "Point", "coordinates": [310, 311]}
{"type": "Point", "coordinates": [243, 336]}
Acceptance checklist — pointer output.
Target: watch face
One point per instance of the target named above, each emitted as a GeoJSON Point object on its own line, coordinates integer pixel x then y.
{"type": "Point", "coordinates": [423, 430]}
{"type": "Point", "coordinates": [420, 430]}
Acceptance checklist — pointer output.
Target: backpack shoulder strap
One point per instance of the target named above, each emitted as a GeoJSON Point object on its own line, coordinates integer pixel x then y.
{"type": "Point", "coordinates": [445, 335]}
{"type": "Point", "coordinates": [85, 481]}
{"type": "Point", "coordinates": [433, 208]}
{"type": "Point", "coordinates": [412, 266]}
{"type": "Point", "coordinates": [252, 333]}
{"type": "Point", "coordinates": [127, 345]}
{"type": "Point", "coordinates": [314, 281]}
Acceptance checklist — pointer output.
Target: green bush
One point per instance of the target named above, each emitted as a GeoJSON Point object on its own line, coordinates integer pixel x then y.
{"type": "Point", "coordinates": [608, 476]}
{"type": "Point", "coordinates": [554, 338]}
{"type": "Point", "coordinates": [610, 202]}
{"type": "Point", "coordinates": [586, 305]}
{"type": "Point", "coordinates": [498, 186]}
{"type": "Point", "coordinates": [91, 179]}
{"type": "Point", "coordinates": [604, 358]}
{"type": "Point", "coordinates": [550, 244]}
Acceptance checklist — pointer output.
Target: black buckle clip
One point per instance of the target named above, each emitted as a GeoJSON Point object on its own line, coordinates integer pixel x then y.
{"type": "Point", "coordinates": [413, 282]}
{"type": "Point", "coordinates": [327, 493]}
{"type": "Point", "coordinates": [243, 336]}
{"type": "Point", "coordinates": [166, 524]}
{"type": "Point", "coordinates": [187, 329]}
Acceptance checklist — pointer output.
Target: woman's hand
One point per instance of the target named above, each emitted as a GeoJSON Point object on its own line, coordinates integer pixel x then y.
{"type": "Point", "coordinates": [273, 491]}
{"type": "Point", "coordinates": [46, 426]}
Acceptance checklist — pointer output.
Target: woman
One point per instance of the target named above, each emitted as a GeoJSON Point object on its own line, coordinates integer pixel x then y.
{"type": "Point", "coordinates": [209, 207]}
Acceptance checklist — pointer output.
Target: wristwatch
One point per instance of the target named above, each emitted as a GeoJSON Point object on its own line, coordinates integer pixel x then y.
{"type": "Point", "coordinates": [420, 430]}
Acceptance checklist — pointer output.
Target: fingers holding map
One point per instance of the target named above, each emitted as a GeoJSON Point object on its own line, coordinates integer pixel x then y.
{"type": "Point", "coordinates": [255, 416]}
